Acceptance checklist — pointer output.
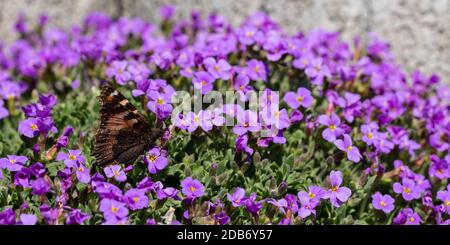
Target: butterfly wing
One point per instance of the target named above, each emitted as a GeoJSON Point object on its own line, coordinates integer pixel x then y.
{"type": "Point", "coordinates": [123, 134]}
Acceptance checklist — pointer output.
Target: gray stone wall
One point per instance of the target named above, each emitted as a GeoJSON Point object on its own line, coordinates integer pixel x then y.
{"type": "Point", "coordinates": [418, 30]}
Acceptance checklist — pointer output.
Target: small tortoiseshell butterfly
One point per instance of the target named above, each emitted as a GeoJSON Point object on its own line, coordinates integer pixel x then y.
{"type": "Point", "coordinates": [123, 134]}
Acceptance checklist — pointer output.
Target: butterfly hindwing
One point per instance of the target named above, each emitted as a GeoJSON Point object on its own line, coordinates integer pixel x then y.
{"type": "Point", "coordinates": [123, 134]}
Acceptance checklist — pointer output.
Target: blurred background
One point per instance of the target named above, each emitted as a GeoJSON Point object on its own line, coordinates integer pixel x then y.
{"type": "Point", "coordinates": [419, 31]}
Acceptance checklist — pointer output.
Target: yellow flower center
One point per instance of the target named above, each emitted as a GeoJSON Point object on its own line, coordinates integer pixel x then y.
{"type": "Point", "coordinates": [34, 127]}
{"type": "Point", "coordinates": [256, 68]}
{"type": "Point", "coordinates": [160, 101]}
{"type": "Point", "coordinates": [334, 188]}
{"type": "Point", "coordinates": [383, 204]}
{"type": "Point", "coordinates": [197, 119]}
{"type": "Point", "coordinates": [192, 188]}
{"type": "Point", "coordinates": [311, 195]}
{"type": "Point", "coordinates": [249, 34]}
{"type": "Point", "coordinates": [135, 199]}
{"type": "Point", "coordinates": [406, 190]}
{"type": "Point", "coordinates": [332, 127]}
{"type": "Point", "coordinates": [370, 135]}
{"type": "Point", "coordinates": [116, 173]}
{"type": "Point", "coordinates": [80, 169]}
{"type": "Point", "coordinates": [12, 161]}
{"type": "Point", "coordinates": [217, 68]}
{"type": "Point", "coordinates": [411, 219]}
{"type": "Point", "coordinates": [349, 148]}
{"type": "Point", "coordinates": [277, 114]}
{"type": "Point", "coordinates": [318, 68]}
{"type": "Point", "coordinates": [300, 98]}
{"type": "Point", "coordinates": [152, 158]}
{"type": "Point", "coordinates": [447, 202]}
{"type": "Point", "coordinates": [114, 209]}
{"type": "Point", "coordinates": [72, 157]}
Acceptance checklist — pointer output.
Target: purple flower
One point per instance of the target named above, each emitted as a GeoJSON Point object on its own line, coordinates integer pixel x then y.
{"type": "Point", "coordinates": [203, 81]}
{"type": "Point", "coordinates": [106, 190]}
{"type": "Point", "coordinates": [280, 204]}
{"type": "Point", "coordinates": [83, 174]}
{"type": "Point", "coordinates": [7, 217]}
{"type": "Point", "coordinates": [222, 218]}
{"type": "Point", "coordinates": [333, 130]}
{"type": "Point", "coordinates": [336, 193]}
{"type": "Point", "coordinates": [314, 194]}
{"type": "Point", "coordinates": [159, 104]}
{"type": "Point", "coordinates": [116, 172]}
{"type": "Point", "coordinates": [439, 168]}
{"type": "Point", "coordinates": [278, 119]}
{"type": "Point", "coordinates": [252, 205]}
{"type": "Point", "coordinates": [407, 216]}
{"type": "Point", "coordinates": [203, 119]}
{"type": "Point", "coordinates": [444, 196]}
{"type": "Point", "coordinates": [71, 159]}
{"type": "Point", "coordinates": [192, 188]}
{"type": "Point", "coordinates": [150, 221]}
{"type": "Point", "coordinates": [49, 214]}
{"type": "Point", "coordinates": [76, 217]}
{"type": "Point", "coordinates": [369, 133]}
{"type": "Point", "coordinates": [116, 221]}
{"type": "Point", "coordinates": [256, 70]}
{"type": "Point", "coordinates": [247, 34]}
{"type": "Point", "coordinates": [407, 188]}
{"type": "Point", "coordinates": [242, 144]}
{"type": "Point", "coordinates": [292, 203]}
{"type": "Point", "coordinates": [301, 98]}
{"type": "Point", "coordinates": [218, 69]}
{"type": "Point", "coordinates": [40, 186]}
{"type": "Point", "coordinates": [317, 71]}
{"type": "Point", "coordinates": [13, 163]}
{"type": "Point", "coordinates": [28, 219]}
{"type": "Point", "coordinates": [383, 144]}
{"type": "Point", "coordinates": [237, 198]}
{"type": "Point", "coordinates": [247, 122]}
{"type": "Point", "coordinates": [381, 202]}
{"type": "Point", "coordinates": [156, 160]}
{"type": "Point", "coordinates": [168, 192]}
{"type": "Point", "coordinates": [3, 111]}
{"type": "Point", "coordinates": [308, 204]}
{"type": "Point", "coordinates": [136, 199]}
{"type": "Point", "coordinates": [346, 146]}
{"type": "Point", "coordinates": [167, 11]}
{"type": "Point", "coordinates": [29, 127]}
{"type": "Point", "coordinates": [113, 209]}
{"type": "Point", "coordinates": [118, 71]}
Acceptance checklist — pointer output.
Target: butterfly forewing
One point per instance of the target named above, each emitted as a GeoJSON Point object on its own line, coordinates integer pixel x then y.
{"type": "Point", "coordinates": [123, 134]}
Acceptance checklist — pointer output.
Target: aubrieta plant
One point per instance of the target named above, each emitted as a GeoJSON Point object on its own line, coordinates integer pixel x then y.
{"type": "Point", "coordinates": [354, 138]}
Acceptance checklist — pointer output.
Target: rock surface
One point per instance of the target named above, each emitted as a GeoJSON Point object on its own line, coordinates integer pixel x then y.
{"type": "Point", "coordinates": [419, 31]}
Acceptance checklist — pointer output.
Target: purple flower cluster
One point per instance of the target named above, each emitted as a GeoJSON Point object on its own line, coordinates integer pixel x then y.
{"type": "Point", "coordinates": [306, 202]}
{"type": "Point", "coordinates": [39, 119]}
{"type": "Point", "coordinates": [324, 103]}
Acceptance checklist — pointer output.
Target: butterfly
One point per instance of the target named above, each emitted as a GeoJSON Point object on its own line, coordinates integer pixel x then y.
{"type": "Point", "coordinates": [123, 134]}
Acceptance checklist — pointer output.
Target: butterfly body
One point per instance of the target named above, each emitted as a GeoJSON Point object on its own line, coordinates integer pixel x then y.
{"type": "Point", "coordinates": [123, 134]}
